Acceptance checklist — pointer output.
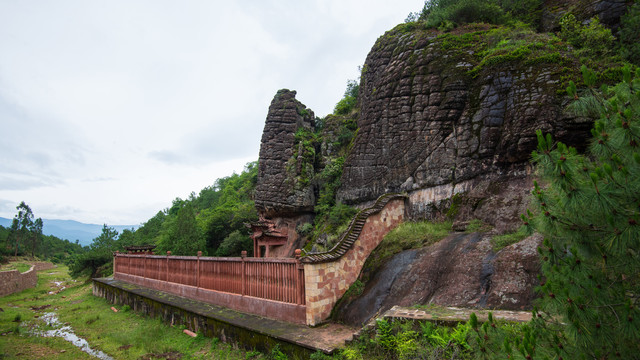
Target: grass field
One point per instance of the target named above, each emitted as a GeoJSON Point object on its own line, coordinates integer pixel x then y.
{"type": "Point", "coordinates": [121, 335]}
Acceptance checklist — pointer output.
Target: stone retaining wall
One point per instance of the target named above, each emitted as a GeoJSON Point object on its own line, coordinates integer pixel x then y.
{"type": "Point", "coordinates": [42, 265]}
{"type": "Point", "coordinates": [325, 283]}
{"type": "Point", "coordinates": [13, 281]}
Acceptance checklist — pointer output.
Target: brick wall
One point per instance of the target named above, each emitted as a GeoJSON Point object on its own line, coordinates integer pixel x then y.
{"type": "Point", "coordinates": [325, 283]}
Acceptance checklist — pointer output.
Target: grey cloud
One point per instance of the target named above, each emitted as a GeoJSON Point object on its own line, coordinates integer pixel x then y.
{"type": "Point", "coordinates": [167, 157]}
{"type": "Point", "coordinates": [7, 206]}
{"type": "Point", "coordinates": [215, 143]}
{"type": "Point", "coordinates": [26, 181]}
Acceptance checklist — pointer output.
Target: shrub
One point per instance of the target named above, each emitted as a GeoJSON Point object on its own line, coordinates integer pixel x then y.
{"type": "Point", "coordinates": [348, 103]}
{"type": "Point", "coordinates": [590, 40]}
{"type": "Point", "coordinates": [234, 244]}
{"type": "Point", "coordinates": [463, 11]}
{"type": "Point", "coordinates": [629, 34]}
{"type": "Point", "coordinates": [91, 263]}
{"type": "Point", "coordinates": [499, 242]}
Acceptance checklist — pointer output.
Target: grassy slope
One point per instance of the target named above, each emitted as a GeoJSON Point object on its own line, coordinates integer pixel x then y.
{"type": "Point", "coordinates": [92, 319]}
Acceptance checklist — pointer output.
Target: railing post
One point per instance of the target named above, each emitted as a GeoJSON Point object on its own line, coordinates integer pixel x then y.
{"type": "Point", "coordinates": [298, 286]}
{"type": "Point", "coordinates": [243, 255]}
{"type": "Point", "coordinates": [198, 270]}
{"type": "Point", "coordinates": [144, 266]}
{"type": "Point", "coordinates": [115, 260]}
{"type": "Point", "coordinates": [168, 254]}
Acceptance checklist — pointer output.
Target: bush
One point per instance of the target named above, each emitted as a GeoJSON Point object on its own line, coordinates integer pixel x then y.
{"type": "Point", "coordinates": [94, 263]}
{"type": "Point", "coordinates": [305, 229]}
{"type": "Point", "coordinates": [629, 34]}
{"type": "Point", "coordinates": [348, 103]}
{"type": "Point", "coordinates": [463, 11]}
{"type": "Point", "coordinates": [590, 40]}
{"type": "Point", "coordinates": [234, 244]}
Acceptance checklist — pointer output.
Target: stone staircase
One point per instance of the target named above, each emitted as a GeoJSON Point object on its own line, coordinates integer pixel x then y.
{"type": "Point", "coordinates": [353, 231]}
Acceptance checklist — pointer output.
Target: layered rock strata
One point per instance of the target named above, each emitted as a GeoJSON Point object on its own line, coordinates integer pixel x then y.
{"type": "Point", "coordinates": [426, 120]}
{"type": "Point", "coordinates": [278, 190]}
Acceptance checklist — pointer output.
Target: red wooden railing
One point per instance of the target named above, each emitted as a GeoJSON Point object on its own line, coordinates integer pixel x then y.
{"type": "Point", "coordinates": [265, 278]}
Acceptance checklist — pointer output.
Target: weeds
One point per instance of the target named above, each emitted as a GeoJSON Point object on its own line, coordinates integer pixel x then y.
{"type": "Point", "coordinates": [477, 225]}
{"type": "Point", "coordinates": [123, 335]}
{"type": "Point", "coordinates": [499, 242]}
{"type": "Point", "coordinates": [408, 235]}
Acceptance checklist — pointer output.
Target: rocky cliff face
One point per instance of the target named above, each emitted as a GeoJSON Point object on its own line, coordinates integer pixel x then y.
{"type": "Point", "coordinates": [432, 113]}
{"type": "Point", "coordinates": [460, 270]}
{"type": "Point", "coordinates": [281, 189]}
{"type": "Point", "coordinates": [451, 120]}
{"type": "Point", "coordinates": [607, 11]}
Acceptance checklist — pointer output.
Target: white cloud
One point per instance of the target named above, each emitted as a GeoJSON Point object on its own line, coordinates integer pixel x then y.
{"type": "Point", "coordinates": [111, 109]}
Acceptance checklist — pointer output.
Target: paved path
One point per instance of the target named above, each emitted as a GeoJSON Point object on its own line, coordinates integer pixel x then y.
{"type": "Point", "coordinates": [325, 338]}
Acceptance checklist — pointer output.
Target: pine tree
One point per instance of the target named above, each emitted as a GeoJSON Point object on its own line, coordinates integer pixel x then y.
{"type": "Point", "coordinates": [21, 225]}
{"type": "Point", "coordinates": [588, 209]}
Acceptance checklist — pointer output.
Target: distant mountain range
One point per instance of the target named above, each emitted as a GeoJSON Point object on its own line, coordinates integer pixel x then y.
{"type": "Point", "coordinates": [71, 230]}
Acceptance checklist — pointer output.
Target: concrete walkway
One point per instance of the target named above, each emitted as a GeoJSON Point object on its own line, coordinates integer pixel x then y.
{"type": "Point", "coordinates": [326, 337]}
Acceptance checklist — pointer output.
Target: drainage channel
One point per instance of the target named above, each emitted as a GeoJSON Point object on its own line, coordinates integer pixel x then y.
{"type": "Point", "coordinates": [66, 332]}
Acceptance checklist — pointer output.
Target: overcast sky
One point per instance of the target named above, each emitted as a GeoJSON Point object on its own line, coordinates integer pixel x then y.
{"type": "Point", "coordinates": [111, 109]}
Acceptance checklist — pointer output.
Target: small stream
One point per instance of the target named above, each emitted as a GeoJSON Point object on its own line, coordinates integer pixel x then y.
{"type": "Point", "coordinates": [66, 332]}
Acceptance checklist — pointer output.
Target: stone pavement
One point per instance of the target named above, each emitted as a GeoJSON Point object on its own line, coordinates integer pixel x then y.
{"type": "Point", "coordinates": [326, 337]}
{"type": "Point", "coordinates": [453, 314]}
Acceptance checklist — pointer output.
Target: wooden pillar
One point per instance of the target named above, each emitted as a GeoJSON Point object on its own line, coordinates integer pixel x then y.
{"type": "Point", "coordinates": [115, 260]}
{"type": "Point", "coordinates": [144, 266]}
{"type": "Point", "coordinates": [198, 270]}
{"type": "Point", "coordinates": [168, 254]}
{"type": "Point", "coordinates": [298, 286]}
{"type": "Point", "coordinates": [256, 250]}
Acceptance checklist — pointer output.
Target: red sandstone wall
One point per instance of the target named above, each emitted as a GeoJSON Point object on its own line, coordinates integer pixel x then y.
{"type": "Point", "coordinates": [325, 283]}
{"type": "Point", "coordinates": [263, 307]}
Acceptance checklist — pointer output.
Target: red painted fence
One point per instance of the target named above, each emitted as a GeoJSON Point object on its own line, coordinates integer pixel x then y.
{"type": "Point", "coordinates": [264, 278]}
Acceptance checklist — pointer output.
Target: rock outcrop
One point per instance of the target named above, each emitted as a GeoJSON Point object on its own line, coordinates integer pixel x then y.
{"type": "Point", "coordinates": [448, 120]}
{"type": "Point", "coordinates": [607, 11]}
{"type": "Point", "coordinates": [460, 270]}
{"type": "Point", "coordinates": [431, 114]}
{"type": "Point", "coordinates": [280, 189]}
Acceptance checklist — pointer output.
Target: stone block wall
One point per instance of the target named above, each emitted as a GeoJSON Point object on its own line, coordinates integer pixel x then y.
{"type": "Point", "coordinates": [42, 265]}
{"type": "Point", "coordinates": [13, 281]}
{"type": "Point", "coordinates": [325, 283]}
